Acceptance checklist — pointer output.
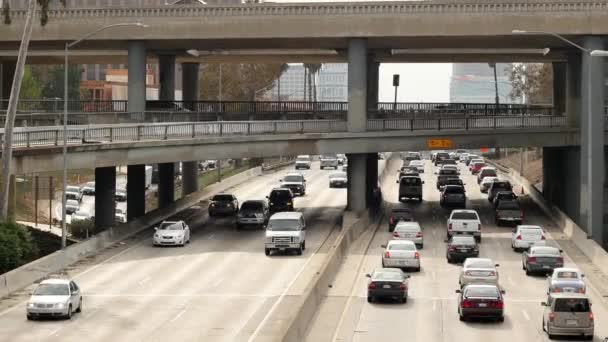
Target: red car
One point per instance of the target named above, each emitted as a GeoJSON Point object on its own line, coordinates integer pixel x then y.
{"type": "Point", "coordinates": [477, 167]}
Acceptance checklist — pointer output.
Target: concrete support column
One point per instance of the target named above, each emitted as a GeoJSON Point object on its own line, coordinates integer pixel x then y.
{"type": "Point", "coordinates": [166, 77]}
{"type": "Point", "coordinates": [357, 167]}
{"type": "Point", "coordinates": [166, 184]}
{"type": "Point", "coordinates": [137, 76]}
{"type": "Point", "coordinates": [190, 84]}
{"type": "Point", "coordinates": [574, 110]}
{"type": "Point", "coordinates": [371, 183]}
{"type": "Point", "coordinates": [136, 191]}
{"type": "Point", "coordinates": [105, 189]}
{"type": "Point", "coordinates": [357, 85]}
{"type": "Point", "coordinates": [189, 177]}
{"type": "Point", "coordinates": [373, 74]}
{"type": "Point", "coordinates": [592, 141]}
{"type": "Point", "coordinates": [559, 87]}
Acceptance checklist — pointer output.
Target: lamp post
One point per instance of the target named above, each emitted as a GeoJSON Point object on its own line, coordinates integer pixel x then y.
{"type": "Point", "coordinates": [591, 162]}
{"type": "Point", "coordinates": [68, 45]}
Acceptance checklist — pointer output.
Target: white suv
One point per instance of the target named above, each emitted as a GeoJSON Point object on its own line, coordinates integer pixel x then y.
{"type": "Point", "coordinates": [303, 162]}
{"type": "Point", "coordinates": [286, 231]}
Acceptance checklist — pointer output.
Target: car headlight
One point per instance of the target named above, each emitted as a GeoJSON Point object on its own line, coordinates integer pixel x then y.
{"type": "Point", "coordinates": [212, 205]}
{"type": "Point", "coordinates": [289, 203]}
{"type": "Point", "coordinates": [156, 235]}
{"type": "Point", "coordinates": [271, 203]}
{"type": "Point", "coordinates": [269, 239]}
{"type": "Point", "coordinates": [60, 305]}
{"type": "Point", "coordinates": [31, 305]}
{"type": "Point", "coordinates": [296, 239]}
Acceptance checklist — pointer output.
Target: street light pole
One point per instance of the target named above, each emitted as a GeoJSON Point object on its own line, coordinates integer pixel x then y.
{"type": "Point", "coordinates": [64, 232]}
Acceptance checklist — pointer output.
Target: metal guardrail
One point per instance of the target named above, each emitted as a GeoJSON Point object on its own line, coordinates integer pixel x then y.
{"type": "Point", "coordinates": [31, 137]}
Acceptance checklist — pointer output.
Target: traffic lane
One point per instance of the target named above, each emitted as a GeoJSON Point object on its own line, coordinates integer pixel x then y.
{"type": "Point", "coordinates": [431, 311]}
{"type": "Point", "coordinates": [220, 263]}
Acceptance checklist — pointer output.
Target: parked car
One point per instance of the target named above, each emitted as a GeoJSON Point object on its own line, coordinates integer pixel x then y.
{"type": "Point", "coordinates": [566, 279]}
{"type": "Point", "coordinates": [223, 204]}
{"type": "Point", "coordinates": [253, 213]}
{"type": "Point", "coordinates": [295, 182]}
{"type": "Point", "coordinates": [478, 271]}
{"type": "Point", "coordinates": [453, 195]}
{"type": "Point", "coordinates": [89, 189]}
{"type": "Point", "coordinates": [71, 206]}
{"type": "Point", "coordinates": [410, 187]}
{"type": "Point", "coordinates": [509, 212]}
{"type": "Point", "coordinates": [464, 222]}
{"type": "Point", "coordinates": [120, 215]}
{"type": "Point", "coordinates": [81, 216]}
{"type": "Point", "coordinates": [460, 247]}
{"type": "Point", "coordinates": [54, 298]}
{"type": "Point", "coordinates": [280, 199]}
{"type": "Point", "coordinates": [338, 180]}
{"type": "Point", "coordinates": [303, 162]}
{"type": "Point", "coordinates": [286, 231]}
{"type": "Point", "coordinates": [401, 254]}
{"type": "Point", "coordinates": [486, 182]}
{"type": "Point", "coordinates": [120, 195]}
{"type": "Point", "coordinates": [498, 186]}
{"type": "Point", "coordinates": [541, 259]}
{"type": "Point", "coordinates": [73, 193]}
{"type": "Point", "coordinates": [486, 171]}
{"type": "Point", "coordinates": [568, 314]}
{"type": "Point", "coordinates": [409, 230]}
{"type": "Point", "coordinates": [387, 283]}
{"type": "Point", "coordinates": [525, 236]}
{"type": "Point", "coordinates": [481, 301]}
{"type": "Point", "coordinates": [175, 233]}
{"type": "Point", "coordinates": [398, 215]}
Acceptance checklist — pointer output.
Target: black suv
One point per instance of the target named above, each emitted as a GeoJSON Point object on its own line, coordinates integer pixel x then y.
{"type": "Point", "coordinates": [399, 214]}
{"type": "Point", "coordinates": [280, 199]}
{"type": "Point", "coordinates": [498, 186]}
{"type": "Point", "coordinates": [223, 204]}
{"type": "Point", "coordinates": [461, 247]}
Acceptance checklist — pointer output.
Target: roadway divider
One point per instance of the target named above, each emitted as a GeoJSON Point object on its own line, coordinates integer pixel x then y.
{"type": "Point", "coordinates": [27, 274]}
{"type": "Point", "coordinates": [269, 167]}
{"type": "Point", "coordinates": [296, 309]}
{"type": "Point", "coordinates": [591, 249]}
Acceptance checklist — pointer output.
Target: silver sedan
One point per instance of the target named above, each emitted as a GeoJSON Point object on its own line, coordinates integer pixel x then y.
{"type": "Point", "coordinates": [54, 298]}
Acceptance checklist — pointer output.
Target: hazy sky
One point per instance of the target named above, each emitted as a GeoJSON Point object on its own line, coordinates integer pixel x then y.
{"type": "Point", "coordinates": [428, 82]}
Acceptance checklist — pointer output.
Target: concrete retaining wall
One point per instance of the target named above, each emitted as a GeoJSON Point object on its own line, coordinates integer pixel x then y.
{"type": "Point", "coordinates": [27, 274]}
{"type": "Point", "coordinates": [597, 255]}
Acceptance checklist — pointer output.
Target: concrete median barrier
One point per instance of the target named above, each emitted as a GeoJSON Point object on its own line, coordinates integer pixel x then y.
{"type": "Point", "coordinates": [27, 274]}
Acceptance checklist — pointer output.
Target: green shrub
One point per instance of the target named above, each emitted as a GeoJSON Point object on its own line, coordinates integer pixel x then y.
{"type": "Point", "coordinates": [82, 229]}
{"type": "Point", "coordinates": [16, 247]}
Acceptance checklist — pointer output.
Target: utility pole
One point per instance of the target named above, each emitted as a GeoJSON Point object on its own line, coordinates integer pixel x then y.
{"type": "Point", "coordinates": [11, 112]}
{"type": "Point", "coordinates": [396, 85]}
{"type": "Point", "coordinates": [496, 98]}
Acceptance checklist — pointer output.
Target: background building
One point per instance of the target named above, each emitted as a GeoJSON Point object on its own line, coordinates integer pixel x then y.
{"type": "Point", "coordinates": [332, 82]}
{"type": "Point", "coordinates": [474, 83]}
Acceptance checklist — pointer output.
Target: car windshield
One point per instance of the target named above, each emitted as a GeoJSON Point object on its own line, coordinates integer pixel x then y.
{"type": "Point", "coordinates": [571, 305]}
{"type": "Point", "coordinates": [545, 250]}
{"type": "Point", "coordinates": [508, 205]}
{"type": "Point", "coordinates": [454, 190]}
{"type": "Point", "coordinates": [459, 215]}
{"type": "Point", "coordinates": [501, 186]}
{"type": "Point", "coordinates": [416, 162]}
{"type": "Point", "coordinates": [463, 240]}
{"type": "Point", "coordinates": [170, 226]}
{"type": "Point", "coordinates": [387, 276]}
{"type": "Point", "coordinates": [411, 181]}
{"type": "Point", "coordinates": [252, 206]}
{"type": "Point", "coordinates": [304, 159]}
{"type": "Point", "coordinates": [329, 157]}
{"type": "Point", "coordinates": [279, 195]}
{"type": "Point", "coordinates": [72, 188]}
{"type": "Point", "coordinates": [284, 224]}
{"type": "Point", "coordinates": [408, 227]}
{"type": "Point", "coordinates": [480, 264]}
{"type": "Point", "coordinates": [338, 175]}
{"type": "Point", "coordinates": [448, 172]}
{"type": "Point", "coordinates": [118, 211]}
{"type": "Point", "coordinates": [222, 198]}
{"type": "Point", "coordinates": [449, 162]}
{"type": "Point", "coordinates": [72, 203]}
{"type": "Point", "coordinates": [567, 275]}
{"type": "Point", "coordinates": [293, 178]}
{"type": "Point", "coordinates": [481, 291]}
{"type": "Point", "coordinates": [52, 290]}
{"type": "Point", "coordinates": [401, 247]}
{"type": "Point", "coordinates": [531, 231]}
{"type": "Point", "coordinates": [90, 185]}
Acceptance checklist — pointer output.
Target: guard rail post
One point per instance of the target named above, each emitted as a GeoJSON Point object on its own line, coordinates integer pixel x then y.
{"type": "Point", "coordinates": [27, 138]}
{"type": "Point", "coordinates": [166, 136]}
{"type": "Point", "coordinates": [193, 130]}
{"type": "Point", "coordinates": [494, 121]}
{"type": "Point", "coordinates": [111, 134]}
{"type": "Point", "coordinates": [56, 137]}
{"type": "Point", "coordinates": [138, 132]}
{"type": "Point", "coordinates": [522, 119]}
{"type": "Point", "coordinates": [412, 123]}
{"type": "Point", "coordinates": [439, 123]}
{"type": "Point", "coordinates": [302, 127]}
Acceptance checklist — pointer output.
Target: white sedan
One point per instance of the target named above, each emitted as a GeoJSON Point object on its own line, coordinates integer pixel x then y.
{"type": "Point", "coordinates": [478, 271]}
{"type": "Point", "coordinates": [171, 233]}
{"type": "Point", "coordinates": [401, 254]}
{"type": "Point", "coordinates": [486, 182]}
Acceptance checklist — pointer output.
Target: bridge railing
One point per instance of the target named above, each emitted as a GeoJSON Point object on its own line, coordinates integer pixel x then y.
{"type": "Point", "coordinates": [33, 136]}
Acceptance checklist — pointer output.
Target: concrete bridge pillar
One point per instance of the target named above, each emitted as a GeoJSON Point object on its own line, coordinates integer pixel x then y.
{"type": "Point", "coordinates": [189, 177]}
{"type": "Point", "coordinates": [136, 191]}
{"type": "Point", "coordinates": [166, 77]}
{"type": "Point", "coordinates": [592, 140]}
{"type": "Point", "coordinates": [136, 174]}
{"type": "Point", "coordinates": [373, 74]}
{"type": "Point", "coordinates": [371, 184]}
{"type": "Point", "coordinates": [105, 189]}
{"type": "Point", "coordinates": [357, 85]}
{"type": "Point", "coordinates": [166, 184]}
{"type": "Point", "coordinates": [559, 88]}
{"type": "Point", "coordinates": [190, 94]}
{"type": "Point", "coordinates": [357, 183]}
{"type": "Point", "coordinates": [573, 90]}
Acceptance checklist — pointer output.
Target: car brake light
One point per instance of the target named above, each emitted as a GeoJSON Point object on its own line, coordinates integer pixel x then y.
{"type": "Point", "coordinates": [560, 260]}
{"type": "Point", "coordinates": [396, 234]}
{"type": "Point", "coordinates": [392, 220]}
{"type": "Point", "coordinates": [532, 260]}
{"type": "Point", "coordinates": [402, 287]}
{"type": "Point", "coordinates": [492, 273]}
{"type": "Point", "coordinates": [499, 304]}
{"type": "Point", "coordinates": [451, 248]}
{"type": "Point", "coordinates": [450, 226]}
{"type": "Point", "coordinates": [479, 226]}
{"type": "Point", "coordinates": [581, 290]}
{"type": "Point", "coordinates": [387, 254]}
{"type": "Point", "coordinates": [557, 290]}
{"type": "Point", "coordinates": [416, 255]}
{"type": "Point", "coordinates": [466, 304]}
{"type": "Point", "coordinates": [591, 316]}
{"type": "Point", "coordinates": [551, 317]}
{"type": "Point", "coordinates": [419, 234]}
{"type": "Point", "coordinates": [542, 237]}
{"type": "Point", "coordinates": [468, 273]}
{"type": "Point", "coordinates": [518, 237]}
{"type": "Point", "coordinates": [371, 285]}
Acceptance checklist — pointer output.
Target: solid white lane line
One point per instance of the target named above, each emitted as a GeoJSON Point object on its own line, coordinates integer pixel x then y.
{"type": "Point", "coordinates": [183, 311]}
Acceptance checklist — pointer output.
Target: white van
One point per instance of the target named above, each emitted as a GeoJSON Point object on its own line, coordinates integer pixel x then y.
{"type": "Point", "coordinates": [286, 231]}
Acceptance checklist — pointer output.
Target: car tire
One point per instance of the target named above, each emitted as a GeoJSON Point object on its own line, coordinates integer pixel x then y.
{"type": "Point", "coordinates": [404, 300]}
{"type": "Point", "coordinates": [449, 259]}
{"type": "Point", "coordinates": [500, 319]}
{"type": "Point", "coordinates": [304, 245]}
{"type": "Point", "coordinates": [299, 251]}
{"type": "Point", "coordinates": [543, 327]}
{"type": "Point", "coordinates": [370, 299]}
{"type": "Point", "coordinates": [462, 318]}
{"type": "Point", "coordinates": [417, 269]}
{"type": "Point", "coordinates": [589, 337]}
{"type": "Point", "coordinates": [238, 226]}
{"type": "Point", "coordinates": [478, 239]}
{"type": "Point", "coordinates": [69, 314]}
{"type": "Point", "coordinates": [30, 317]}
{"type": "Point", "coordinates": [267, 251]}
{"type": "Point", "coordinates": [551, 336]}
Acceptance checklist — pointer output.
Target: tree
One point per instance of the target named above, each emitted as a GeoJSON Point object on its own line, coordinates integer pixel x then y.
{"type": "Point", "coordinates": [30, 86]}
{"type": "Point", "coordinates": [44, 10]}
{"type": "Point", "coordinates": [16, 247]}
{"type": "Point", "coordinates": [240, 82]}
{"type": "Point", "coordinates": [532, 81]}
{"type": "Point", "coordinates": [52, 81]}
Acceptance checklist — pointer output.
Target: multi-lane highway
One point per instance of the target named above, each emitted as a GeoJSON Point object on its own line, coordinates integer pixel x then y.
{"type": "Point", "coordinates": [220, 287]}
{"type": "Point", "coordinates": [430, 314]}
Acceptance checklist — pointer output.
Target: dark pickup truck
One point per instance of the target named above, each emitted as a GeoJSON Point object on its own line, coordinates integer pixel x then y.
{"type": "Point", "coordinates": [509, 211]}
{"type": "Point", "coordinates": [444, 175]}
